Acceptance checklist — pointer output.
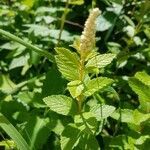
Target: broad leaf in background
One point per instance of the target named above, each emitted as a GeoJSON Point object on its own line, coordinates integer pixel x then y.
{"type": "Point", "coordinates": [87, 142]}
{"type": "Point", "coordinates": [53, 84]}
{"type": "Point", "coordinates": [28, 3]}
{"type": "Point", "coordinates": [100, 61]}
{"type": "Point", "coordinates": [16, 49]}
{"type": "Point", "coordinates": [70, 137]}
{"type": "Point", "coordinates": [121, 142]}
{"type": "Point", "coordinates": [36, 128]}
{"type": "Point", "coordinates": [73, 137]}
{"type": "Point", "coordinates": [143, 92]}
{"type": "Point", "coordinates": [67, 63]}
{"type": "Point", "coordinates": [130, 116]}
{"type": "Point", "coordinates": [105, 21]}
{"type": "Point", "coordinates": [143, 77]}
{"type": "Point", "coordinates": [6, 85]}
{"type": "Point", "coordinates": [76, 2]}
{"type": "Point", "coordinates": [19, 62]}
{"type": "Point", "coordinates": [97, 84]}
{"type": "Point", "coordinates": [61, 104]}
{"type": "Point", "coordinates": [58, 122]}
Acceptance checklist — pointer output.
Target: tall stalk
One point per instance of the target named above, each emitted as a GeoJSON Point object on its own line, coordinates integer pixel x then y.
{"type": "Point", "coordinates": [27, 45]}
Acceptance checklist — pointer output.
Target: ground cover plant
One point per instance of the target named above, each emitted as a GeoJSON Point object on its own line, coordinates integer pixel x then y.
{"type": "Point", "coordinates": [75, 74]}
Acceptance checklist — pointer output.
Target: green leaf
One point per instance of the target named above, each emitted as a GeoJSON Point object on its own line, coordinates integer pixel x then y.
{"type": "Point", "coordinates": [36, 128]}
{"type": "Point", "coordinates": [120, 142]}
{"type": "Point", "coordinates": [100, 61]}
{"type": "Point", "coordinates": [13, 133]}
{"type": "Point", "coordinates": [68, 63]}
{"type": "Point", "coordinates": [130, 116]}
{"type": "Point", "coordinates": [88, 142]}
{"type": "Point", "coordinates": [86, 122]}
{"type": "Point", "coordinates": [125, 115]}
{"type": "Point", "coordinates": [102, 112]}
{"type": "Point", "coordinates": [28, 3]}
{"type": "Point", "coordinates": [76, 2]}
{"type": "Point", "coordinates": [61, 104]}
{"type": "Point", "coordinates": [7, 144]}
{"type": "Point", "coordinates": [53, 84]}
{"type": "Point", "coordinates": [140, 117]}
{"type": "Point", "coordinates": [143, 77]}
{"type": "Point", "coordinates": [6, 85]}
{"type": "Point", "coordinates": [105, 21]}
{"type": "Point", "coordinates": [75, 88]}
{"type": "Point", "coordinates": [143, 92]}
{"type": "Point", "coordinates": [97, 84]}
{"type": "Point", "coordinates": [70, 137]}
{"type": "Point", "coordinates": [58, 122]}
{"type": "Point", "coordinates": [18, 62]}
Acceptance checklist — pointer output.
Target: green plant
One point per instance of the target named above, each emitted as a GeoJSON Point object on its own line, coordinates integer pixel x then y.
{"type": "Point", "coordinates": [93, 94]}
{"type": "Point", "coordinates": [80, 68]}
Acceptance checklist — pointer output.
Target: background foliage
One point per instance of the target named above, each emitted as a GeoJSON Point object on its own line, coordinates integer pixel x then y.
{"type": "Point", "coordinates": [26, 78]}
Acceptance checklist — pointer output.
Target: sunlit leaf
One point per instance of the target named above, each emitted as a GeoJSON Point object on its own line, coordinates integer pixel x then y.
{"type": "Point", "coordinates": [61, 104]}
{"type": "Point", "coordinates": [97, 84]}
{"type": "Point", "coordinates": [75, 88]}
{"type": "Point", "coordinates": [102, 112]}
{"type": "Point", "coordinates": [67, 63]}
{"type": "Point", "coordinates": [100, 61]}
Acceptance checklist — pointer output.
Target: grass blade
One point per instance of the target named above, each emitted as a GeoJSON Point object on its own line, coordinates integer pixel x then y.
{"type": "Point", "coordinates": [13, 133]}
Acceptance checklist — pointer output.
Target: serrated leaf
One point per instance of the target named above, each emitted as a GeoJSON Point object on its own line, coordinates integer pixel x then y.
{"type": "Point", "coordinates": [102, 112]}
{"type": "Point", "coordinates": [97, 84]}
{"type": "Point", "coordinates": [100, 61]}
{"type": "Point", "coordinates": [75, 88]}
{"type": "Point", "coordinates": [61, 104]}
{"type": "Point", "coordinates": [67, 63]}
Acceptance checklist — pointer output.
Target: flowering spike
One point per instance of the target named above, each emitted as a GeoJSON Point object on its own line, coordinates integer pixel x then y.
{"type": "Point", "coordinates": [87, 40]}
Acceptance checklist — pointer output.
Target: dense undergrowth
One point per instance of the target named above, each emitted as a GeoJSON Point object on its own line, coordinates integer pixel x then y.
{"type": "Point", "coordinates": [62, 88]}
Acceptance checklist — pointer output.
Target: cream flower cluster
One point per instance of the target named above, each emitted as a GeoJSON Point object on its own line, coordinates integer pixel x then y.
{"type": "Point", "coordinates": [87, 40]}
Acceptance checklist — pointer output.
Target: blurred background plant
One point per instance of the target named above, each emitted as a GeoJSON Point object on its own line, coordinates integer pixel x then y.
{"type": "Point", "coordinates": [26, 77]}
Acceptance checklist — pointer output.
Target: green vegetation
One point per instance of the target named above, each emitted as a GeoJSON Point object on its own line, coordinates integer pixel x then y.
{"type": "Point", "coordinates": [75, 74]}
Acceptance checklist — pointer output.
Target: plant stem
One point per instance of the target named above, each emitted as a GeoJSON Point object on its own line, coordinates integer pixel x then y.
{"type": "Point", "coordinates": [63, 18]}
{"type": "Point", "coordinates": [27, 45]}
